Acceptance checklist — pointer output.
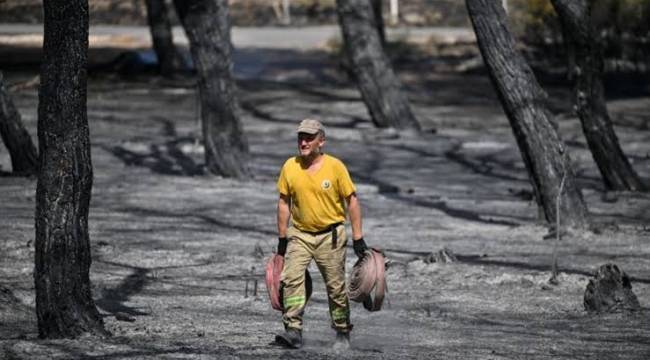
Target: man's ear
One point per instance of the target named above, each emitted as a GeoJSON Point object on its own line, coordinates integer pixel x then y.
{"type": "Point", "coordinates": [321, 139]}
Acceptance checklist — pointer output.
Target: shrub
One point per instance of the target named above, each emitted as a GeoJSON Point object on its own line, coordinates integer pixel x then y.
{"type": "Point", "coordinates": [623, 28]}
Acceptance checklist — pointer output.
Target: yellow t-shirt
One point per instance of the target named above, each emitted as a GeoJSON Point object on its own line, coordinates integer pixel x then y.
{"type": "Point", "coordinates": [317, 200]}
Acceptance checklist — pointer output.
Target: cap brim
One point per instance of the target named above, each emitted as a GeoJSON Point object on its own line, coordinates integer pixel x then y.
{"type": "Point", "coordinates": [310, 131]}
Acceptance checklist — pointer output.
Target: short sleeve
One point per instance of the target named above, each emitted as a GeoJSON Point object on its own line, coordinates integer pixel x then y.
{"type": "Point", "coordinates": [283, 182]}
{"type": "Point", "coordinates": [346, 186]}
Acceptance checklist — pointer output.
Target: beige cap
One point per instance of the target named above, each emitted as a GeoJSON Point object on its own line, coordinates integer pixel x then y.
{"type": "Point", "coordinates": [310, 126]}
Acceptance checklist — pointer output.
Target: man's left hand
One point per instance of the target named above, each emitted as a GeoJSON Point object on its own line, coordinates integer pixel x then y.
{"type": "Point", "coordinates": [359, 247]}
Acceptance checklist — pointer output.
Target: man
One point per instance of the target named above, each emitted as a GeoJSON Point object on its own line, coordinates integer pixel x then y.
{"type": "Point", "coordinates": [315, 190]}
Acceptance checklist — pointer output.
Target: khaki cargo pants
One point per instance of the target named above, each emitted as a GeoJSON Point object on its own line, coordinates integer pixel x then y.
{"type": "Point", "coordinates": [330, 259]}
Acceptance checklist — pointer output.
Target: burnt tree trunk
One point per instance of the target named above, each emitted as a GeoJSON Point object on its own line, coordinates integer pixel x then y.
{"type": "Point", "coordinates": [15, 137]}
{"type": "Point", "coordinates": [380, 88]}
{"type": "Point", "coordinates": [64, 303]}
{"type": "Point", "coordinates": [207, 25]}
{"type": "Point", "coordinates": [580, 32]}
{"type": "Point", "coordinates": [377, 9]}
{"type": "Point", "coordinates": [524, 103]}
{"type": "Point", "coordinates": [169, 59]}
{"type": "Point", "coordinates": [610, 291]}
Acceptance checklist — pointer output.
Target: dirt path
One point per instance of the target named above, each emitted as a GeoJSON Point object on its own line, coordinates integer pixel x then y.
{"type": "Point", "coordinates": [300, 38]}
{"type": "Point", "coordinates": [173, 248]}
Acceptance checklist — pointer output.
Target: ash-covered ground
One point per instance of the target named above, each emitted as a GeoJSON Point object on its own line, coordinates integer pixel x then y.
{"type": "Point", "coordinates": [174, 248]}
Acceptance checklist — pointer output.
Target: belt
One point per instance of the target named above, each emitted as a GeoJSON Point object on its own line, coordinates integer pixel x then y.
{"type": "Point", "coordinates": [329, 228]}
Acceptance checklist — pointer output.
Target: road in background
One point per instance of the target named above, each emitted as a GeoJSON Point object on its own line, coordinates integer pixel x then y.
{"type": "Point", "coordinates": [267, 37]}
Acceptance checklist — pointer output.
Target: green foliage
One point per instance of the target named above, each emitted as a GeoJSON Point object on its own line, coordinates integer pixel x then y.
{"type": "Point", "coordinates": [623, 16]}
{"type": "Point", "coordinates": [537, 13]}
{"type": "Point", "coordinates": [536, 17]}
{"type": "Point", "coordinates": [623, 26]}
{"type": "Point", "coordinates": [534, 21]}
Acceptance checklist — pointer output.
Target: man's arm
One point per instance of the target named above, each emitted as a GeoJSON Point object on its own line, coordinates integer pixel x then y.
{"type": "Point", "coordinates": [354, 211]}
{"type": "Point", "coordinates": [284, 211]}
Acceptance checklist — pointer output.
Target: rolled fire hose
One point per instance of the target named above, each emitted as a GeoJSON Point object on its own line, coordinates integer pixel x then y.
{"type": "Point", "coordinates": [273, 271]}
{"type": "Point", "coordinates": [367, 283]}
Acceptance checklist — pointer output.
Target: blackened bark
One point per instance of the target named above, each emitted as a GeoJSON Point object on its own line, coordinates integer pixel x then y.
{"type": "Point", "coordinates": [64, 303]}
{"type": "Point", "coordinates": [169, 59]}
{"type": "Point", "coordinates": [524, 103]}
{"type": "Point", "coordinates": [380, 88]}
{"type": "Point", "coordinates": [377, 9]}
{"type": "Point", "coordinates": [580, 32]}
{"type": "Point", "coordinates": [610, 291]}
{"type": "Point", "coordinates": [207, 25]}
{"type": "Point", "coordinates": [15, 136]}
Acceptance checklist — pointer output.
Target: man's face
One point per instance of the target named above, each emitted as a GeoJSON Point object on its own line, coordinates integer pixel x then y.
{"type": "Point", "coordinates": [310, 144]}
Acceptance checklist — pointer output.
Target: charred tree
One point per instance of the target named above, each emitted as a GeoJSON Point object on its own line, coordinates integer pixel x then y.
{"type": "Point", "coordinates": [380, 88]}
{"type": "Point", "coordinates": [169, 59]}
{"type": "Point", "coordinates": [64, 303]}
{"type": "Point", "coordinates": [580, 32]}
{"type": "Point", "coordinates": [377, 9]}
{"type": "Point", "coordinates": [207, 26]}
{"type": "Point", "coordinates": [524, 103]}
{"type": "Point", "coordinates": [610, 291]}
{"type": "Point", "coordinates": [24, 158]}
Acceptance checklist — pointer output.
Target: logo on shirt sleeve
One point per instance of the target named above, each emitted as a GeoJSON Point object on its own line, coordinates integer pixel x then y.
{"type": "Point", "coordinates": [326, 184]}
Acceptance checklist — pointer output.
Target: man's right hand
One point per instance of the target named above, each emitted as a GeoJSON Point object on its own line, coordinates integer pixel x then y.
{"type": "Point", "coordinates": [282, 245]}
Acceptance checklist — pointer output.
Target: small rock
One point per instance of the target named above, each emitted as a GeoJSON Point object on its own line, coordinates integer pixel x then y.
{"type": "Point", "coordinates": [527, 283]}
{"type": "Point", "coordinates": [553, 281]}
{"type": "Point", "coordinates": [387, 189]}
{"type": "Point", "coordinates": [610, 291]}
{"type": "Point", "coordinates": [443, 256]}
{"type": "Point", "coordinates": [523, 194]}
{"type": "Point", "coordinates": [121, 316]}
{"type": "Point", "coordinates": [552, 233]}
{"type": "Point", "coordinates": [609, 197]}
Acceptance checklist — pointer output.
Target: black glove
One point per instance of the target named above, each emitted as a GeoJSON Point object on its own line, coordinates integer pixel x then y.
{"type": "Point", "coordinates": [359, 247]}
{"type": "Point", "coordinates": [282, 245]}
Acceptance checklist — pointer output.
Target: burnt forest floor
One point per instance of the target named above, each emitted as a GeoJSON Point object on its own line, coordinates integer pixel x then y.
{"type": "Point", "coordinates": [174, 248]}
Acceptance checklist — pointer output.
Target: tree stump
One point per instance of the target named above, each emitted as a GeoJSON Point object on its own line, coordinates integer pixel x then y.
{"type": "Point", "coordinates": [610, 291]}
